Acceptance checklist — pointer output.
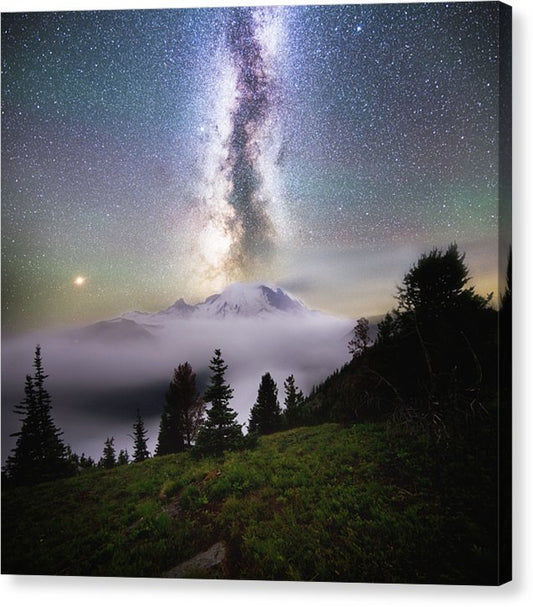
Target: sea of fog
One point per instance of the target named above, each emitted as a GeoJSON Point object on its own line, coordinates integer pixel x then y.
{"type": "Point", "coordinates": [97, 384]}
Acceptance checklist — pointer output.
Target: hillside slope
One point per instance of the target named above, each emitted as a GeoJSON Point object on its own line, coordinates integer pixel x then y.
{"type": "Point", "coordinates": [315, 503]}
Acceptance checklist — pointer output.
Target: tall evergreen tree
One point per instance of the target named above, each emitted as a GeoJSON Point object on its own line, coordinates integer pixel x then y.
{"type": "Point", "coordinates": [220, 431]}
{"type": "Point", "coordinates": [53, 449]}
{"type": "Point", "coordinates": [437, 285]}
{"type": "Point", "coordinates": [108, 459]}
{"type": "Point", "coordinates": [164, 443]}
{"type": "Point", "coordinates": [23, 464]}
{"type": "Point", "coordinates": [182, 414]}
{"type": "Point", "coordinates": [39, 453]}
{"type": "Point", "coordinates": [140, 448]}
{"type": "Point", "coordinates": [294, 399]}
{"type": "Point", "coordinates": [265, 415]}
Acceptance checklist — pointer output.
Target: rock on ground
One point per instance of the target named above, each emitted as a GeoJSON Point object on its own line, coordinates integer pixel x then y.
{"type": "Point", "coordinates": [201, 563]}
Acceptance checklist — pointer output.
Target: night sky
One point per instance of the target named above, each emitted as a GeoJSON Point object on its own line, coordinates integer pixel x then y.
{"type": "Point", "coordinates": [149, 155]}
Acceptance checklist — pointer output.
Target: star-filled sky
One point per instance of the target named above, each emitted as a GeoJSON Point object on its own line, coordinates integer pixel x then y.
{"type": "Point", "coordinates": [154, 154]}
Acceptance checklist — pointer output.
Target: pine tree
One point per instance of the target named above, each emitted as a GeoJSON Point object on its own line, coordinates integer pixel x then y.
{"type": "Point", "coordinates": [39, 453]}
{"type": "Point", "coordinates": [123, 458]}
{"type": "Point", "coordinates": [436, 286]}
{"type": "Point", "coordinates": [220, 431]}
{"type": "Point", "coordinates": [218, 392]}
{"type": "Point", "coordinates": [164, 438]}
{"type": "Point", "coordinates": [265, 415]}
{"type": "Point", "coordinates": [73, 460]}
{"type": "Point", "coordinates": [361, 338]}
{"type": "Point", "coordinates": [182, 414]}
{"type": "Point", "coordinates": [294, 399]}
{"type": "Point", "coordinates": [86, 463]}
{"type": "Point", "coordinates": [108, 459]}
{"type": "Point", "coordinates": [140, 448]}
{"type": "Point", "coordinates": [53, 449]}
{"type": "Point", "coordinates": [23, 465]}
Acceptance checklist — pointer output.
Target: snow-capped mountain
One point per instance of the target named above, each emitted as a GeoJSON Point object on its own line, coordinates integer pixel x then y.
{"type": "Point", "coordinates": [250, 300]}
{"type": "Point", "coordinates": [247, 300]}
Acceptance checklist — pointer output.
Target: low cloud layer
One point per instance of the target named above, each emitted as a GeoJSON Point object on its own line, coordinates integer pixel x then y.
{"type": "Point", "coordinates": [97, 383]}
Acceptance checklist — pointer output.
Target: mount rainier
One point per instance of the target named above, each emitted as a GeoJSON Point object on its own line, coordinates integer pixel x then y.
{"type": "Point", "coordinates": [237, 300]}
{"type": "Point", "coordinates": [253, 301]}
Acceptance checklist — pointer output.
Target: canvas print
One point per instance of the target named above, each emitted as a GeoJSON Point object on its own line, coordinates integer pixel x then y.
{"type": "Point", "coordinates": [256, 293]}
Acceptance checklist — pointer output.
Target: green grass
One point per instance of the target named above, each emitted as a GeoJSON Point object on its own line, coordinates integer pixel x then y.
{"type": "Point", "coordinates": [318, 503]}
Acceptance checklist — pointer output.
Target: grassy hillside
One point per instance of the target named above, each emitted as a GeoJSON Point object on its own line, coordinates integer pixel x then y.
{"type": "Point", "coordinates": [314, 503]}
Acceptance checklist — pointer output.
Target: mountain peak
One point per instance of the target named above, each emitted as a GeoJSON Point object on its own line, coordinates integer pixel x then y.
{"type": "Point", "coordinates": [251, 299]}
{"type": "Point", "coordinates": [239, 299]}
{"type": "Point", "coordinates": [244, 299]}
{"type": "Point", "coordinates": [180, 307]}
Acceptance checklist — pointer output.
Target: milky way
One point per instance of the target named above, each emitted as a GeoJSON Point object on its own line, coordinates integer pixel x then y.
{"type": "Point", "coordinates": [238, 237]}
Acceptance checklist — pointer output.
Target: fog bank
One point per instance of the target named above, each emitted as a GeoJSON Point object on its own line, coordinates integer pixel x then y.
{"type": "Point", "coordinates": [98, 378]}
